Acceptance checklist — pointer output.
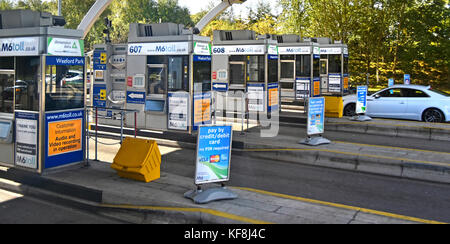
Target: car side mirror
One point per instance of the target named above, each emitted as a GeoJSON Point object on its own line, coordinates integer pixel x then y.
{"type": "Point", "coordinates": [377, 96]}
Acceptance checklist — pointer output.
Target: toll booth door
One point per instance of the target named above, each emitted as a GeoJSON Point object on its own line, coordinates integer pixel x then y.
{"type": "Point", "coordinates": [7, 91]}
{"type": "Point", "coordinates": [238, 75]}
{"type": "Point", "coordinates": [324, 74]}
{"type": "Point", "coordinates": [287, 82]}
{"type": "Point", "coordinates": [6, 116]}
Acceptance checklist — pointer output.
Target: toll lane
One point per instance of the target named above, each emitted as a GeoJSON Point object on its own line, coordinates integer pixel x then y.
{"type": "Point", "coordinates": [378, 140]}
{"type": "Point", "coordinates": [382, 193]}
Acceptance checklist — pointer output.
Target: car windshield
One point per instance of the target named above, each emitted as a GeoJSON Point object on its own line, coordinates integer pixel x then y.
{"type": "Point", "coordinates": [440, 92]}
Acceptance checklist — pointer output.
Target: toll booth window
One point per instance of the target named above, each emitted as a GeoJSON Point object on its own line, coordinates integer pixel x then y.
{"type": "Point", "coordinates": [27, 80]}
{"type": "Point", "coordinates": [237, 69]}
{"type": "Point", "coordinates": [178, 73]}
{"type": "Point", "coordinates": [64, 87]}
{"type": "Point", "coordinates": [303, 65]}
{"type": "Point", "coordinates": [237, 73]}
{"type": "Point", "coordinates": [273, 70]}
{"type": "Point", "coordinates": [256, 68]}
{"type": "Point", "coordinates": [287, 66]}
{"type": "Point", "coordinates": [202, 76]}
{"type": "Point", "coordinates": [157, 80]}
{"type": "Point", "coordinates": [6, 85]}
{"type": "Point", "coordinates": [334, 64]}
{"type": "Point", "coordinates": [345, 64]}
{"type": "Point", "coordinates": [287, 70]}
{"type": "Point", "coordinates": [316, 67]}
{"type": "Point", "coordinates": [323, 69]}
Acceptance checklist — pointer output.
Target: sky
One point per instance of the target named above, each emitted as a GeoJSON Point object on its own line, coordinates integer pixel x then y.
{"type": "Point", "coordinates": [196, 6]}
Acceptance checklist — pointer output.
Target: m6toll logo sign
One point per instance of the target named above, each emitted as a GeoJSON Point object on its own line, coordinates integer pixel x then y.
{"type": "Point", "coordinates": [28, 46]}
{"type": "Point", "coordinates": [175, 48]}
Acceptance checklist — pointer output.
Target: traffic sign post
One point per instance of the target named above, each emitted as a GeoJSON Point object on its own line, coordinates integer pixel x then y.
{"type": "Point", "coordinates": [213, 160]}
{"type": "Point", "coordinates": [316, 122]}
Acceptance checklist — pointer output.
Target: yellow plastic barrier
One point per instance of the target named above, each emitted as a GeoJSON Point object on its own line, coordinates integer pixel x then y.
{"type": "Point", "coordinates": [334, 107]}
{"type": "Point", "coordinates": [138, 159]}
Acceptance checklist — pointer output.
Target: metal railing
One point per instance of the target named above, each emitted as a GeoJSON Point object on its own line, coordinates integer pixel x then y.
{"type": "Point", "coordinates": [95, 111]}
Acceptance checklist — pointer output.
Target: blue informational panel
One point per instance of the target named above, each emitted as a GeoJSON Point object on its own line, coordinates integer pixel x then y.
{"type": "Point", "coordinates": [99, 95]}
{"type": "Point", "coordinates": [213, 154]}
{"type": "Point", "coordinates": [201, 112]}
{"type": "Point", "coordinates": [200, 58]}
{"type": "Point", "coordinates": [407, 79]}
{"type": "Point", "coordinates": [302, 88]}
{"type": "Point", "coordinates": [99, 60]}
{"type": "Point", "coordinates": [256, 97]}
{"type": "Point", "coordinates": [178, 103]}
{"type": "Point", "coordinates": [361, 101]}
{"type": "Point", "coordinates": [221, 87]}
{"type": "Point", "coordinates": [64, 133]}
{"type": "Point", "coordinates": [391, 82]}
{"type": "Point", "coordinates": [272, 97]}
{"type": "Point", "coordinates": [55, 60]}
{"type": "Point", "coordinates": [26, 143]}
{"type": "Point", "coordinates": [135, 97]}
{"type": "Point", "coordinates": [316, 115]}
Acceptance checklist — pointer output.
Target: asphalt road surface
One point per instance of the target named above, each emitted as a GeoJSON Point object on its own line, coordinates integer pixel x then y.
{"type": "Point", "coordinates": [19, 209]}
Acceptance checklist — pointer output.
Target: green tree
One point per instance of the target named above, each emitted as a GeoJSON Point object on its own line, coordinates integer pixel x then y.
{"type": "Point", "coordinates": [6, 5]}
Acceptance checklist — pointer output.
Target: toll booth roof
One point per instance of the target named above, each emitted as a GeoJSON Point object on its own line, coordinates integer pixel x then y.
{"type": "Point", "coordinates": [162, 32]}
{"type": "Point", "coordinates": [241, 37]}
{"type": "Point", "coordinates": [21, 23]}
{"type": "Point", "coordinates": [291, 40]}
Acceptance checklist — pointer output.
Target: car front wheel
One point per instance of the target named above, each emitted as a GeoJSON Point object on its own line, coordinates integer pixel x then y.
{"type": "Point", "coordinates": [350, 109]}
{"type": "Point", "coordinates": [433, 115]}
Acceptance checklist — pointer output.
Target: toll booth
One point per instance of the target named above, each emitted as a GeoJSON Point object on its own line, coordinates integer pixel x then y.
{"type": "Point", "coordinates": [164, 71]}
{"type": "Point", "coordinates": [333, 67]}
{"type": "Point", "coordinates": [334, 75]}
{"type": "Point", "coordinates": [246, 63]}
{"type": "Point", "coordinates": [299, 68]}
{"type": "Point", "coordinates": [42, 85]}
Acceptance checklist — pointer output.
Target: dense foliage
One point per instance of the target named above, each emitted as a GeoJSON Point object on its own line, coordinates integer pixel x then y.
{"type": "Point", "coordinates": [386, 38]}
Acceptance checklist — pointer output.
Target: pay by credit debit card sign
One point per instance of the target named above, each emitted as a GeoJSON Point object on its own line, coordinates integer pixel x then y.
{"type": "Point", "coordinates": [316, 115]}
{"type": "Point", "coordinates": [213, 154]}
{"type": "Point", "coordinates": [361, 102]}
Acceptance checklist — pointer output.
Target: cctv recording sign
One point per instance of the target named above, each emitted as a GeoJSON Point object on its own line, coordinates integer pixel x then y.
{"type": "Point", "coordinates": [213, 154]}
{"type": "Point", "coordinates": [64, 138]}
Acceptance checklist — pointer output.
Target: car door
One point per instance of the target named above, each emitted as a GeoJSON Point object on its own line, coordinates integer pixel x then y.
{"type": "Point", "coordinates": [417, 102]}
{"type": "Point", "coordinates": [389, 103]}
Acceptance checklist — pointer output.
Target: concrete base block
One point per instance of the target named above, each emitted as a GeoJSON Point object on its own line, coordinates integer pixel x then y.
{"type": "Point", "coordinates": [210, 195]}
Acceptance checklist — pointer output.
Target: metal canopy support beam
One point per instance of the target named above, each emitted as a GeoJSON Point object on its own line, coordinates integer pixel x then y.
{"type": "Point", "coordinates": [215, 12]}
{"type": "Point", "coordinates": [92, 16]}
{"type": "Point", "coordinates": [100, 6]}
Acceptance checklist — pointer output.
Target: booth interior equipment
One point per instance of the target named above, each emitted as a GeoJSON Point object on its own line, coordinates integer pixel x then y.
{"type": "Point", "coordinates": [42, 91]}
{"type": "Point", "coordinates": [299, 68]}
{"type": "Point", "coordinates": [164, 72]}
{"type": "Point", "coordinates": [244, 63]}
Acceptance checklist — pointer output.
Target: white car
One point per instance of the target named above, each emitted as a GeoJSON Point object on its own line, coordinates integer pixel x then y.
{"type": "Point", "coordinates": [411, 102]}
